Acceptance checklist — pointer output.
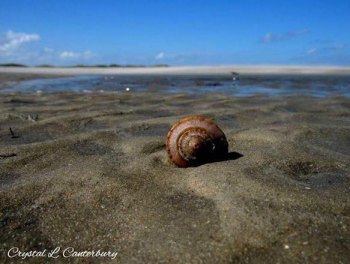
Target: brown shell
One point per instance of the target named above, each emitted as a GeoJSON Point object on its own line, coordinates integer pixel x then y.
{"type": "Point", "coordinates": [195, 140]}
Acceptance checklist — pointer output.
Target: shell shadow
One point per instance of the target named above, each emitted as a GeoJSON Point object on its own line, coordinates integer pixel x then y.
{"type": "Point", "coordinates": [230, 156]}
{"type": "Point", "coordinates": [234, 155]}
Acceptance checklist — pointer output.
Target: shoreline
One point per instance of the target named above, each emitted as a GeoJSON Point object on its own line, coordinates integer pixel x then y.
{"type": "Point", "coordinates": [7, 79]}
{"type": "Point", "coordinates": [180, 70]}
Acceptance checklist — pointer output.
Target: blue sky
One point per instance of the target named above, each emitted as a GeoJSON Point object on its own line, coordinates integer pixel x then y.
{"type": "Point", "coordinates": [67, 32]}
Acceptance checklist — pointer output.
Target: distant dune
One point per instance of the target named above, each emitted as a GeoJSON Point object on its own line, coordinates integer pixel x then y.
{"type": "Point", "coordinates": [214, 70]}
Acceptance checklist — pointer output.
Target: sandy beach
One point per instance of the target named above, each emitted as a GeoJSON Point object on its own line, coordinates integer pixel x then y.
{"type": "Point", "coordinates": [181, 70]}
{"type": "Point", "coordinates": [90, 171]}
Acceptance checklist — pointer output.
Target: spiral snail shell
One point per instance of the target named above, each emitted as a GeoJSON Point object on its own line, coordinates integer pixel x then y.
{"type": "Point", "coordinates": [195, 140]}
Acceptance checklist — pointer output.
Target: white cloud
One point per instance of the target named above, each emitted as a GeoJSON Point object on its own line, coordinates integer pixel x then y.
{"type": "Point", "coordinates": [337, 46]}
{"type": "Point", "coordinates": [160, 56]}
{"type": "Point", "coordinates": [181, 57]}
{"type": "Point", "coordinates": [267, 38]}
{"type": "Point", "coordinates": [48, 50]}
{"type": "Point", "coordinates": [69, 55]}
{"type": "Point", "coordinates": [270, 37]}
{"type": "Point", "coordinates": [326, 49]}
{"type": "Point", "coordinates": [311, 51]}
{"type": "Point", "coordinates": [11, 41]}
{"type": "Point", "coordinates": [13, 49]}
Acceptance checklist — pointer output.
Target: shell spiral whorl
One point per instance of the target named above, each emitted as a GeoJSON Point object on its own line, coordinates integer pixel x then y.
{"type": "Point", "coordinates": [195, 140]}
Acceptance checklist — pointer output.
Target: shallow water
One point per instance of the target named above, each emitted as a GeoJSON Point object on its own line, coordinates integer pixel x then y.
{"type": "Point", "coordinates": [249, 85]}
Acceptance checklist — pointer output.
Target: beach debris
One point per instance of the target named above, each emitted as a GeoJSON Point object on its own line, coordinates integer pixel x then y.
{"type": "Point", "coordinates": [85, 123]}
{"type": "Point", "coordinates": [194, 141]}
{"type": "Point", "coordinates": [7, 155]}
{"type": "Point", "coordinates": [29, 117]}
{"type": "Point", "coordinates": [13, 135]}
{"type": "Point", "coordinates": [235, 76]}
{"type": "Point", "coordinates": [33, 117]}
{"type": "Point", "coordinates": [24, 117]}
{"type": "Point", "coordinates": [127, 89]}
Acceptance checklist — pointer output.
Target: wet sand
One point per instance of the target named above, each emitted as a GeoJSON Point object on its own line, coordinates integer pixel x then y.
{"type": "Point", "coordinates": [90, 171]}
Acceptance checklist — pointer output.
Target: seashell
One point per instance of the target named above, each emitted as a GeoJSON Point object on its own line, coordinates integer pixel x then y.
{"type": "Point", "coordinates": [195, 140]}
